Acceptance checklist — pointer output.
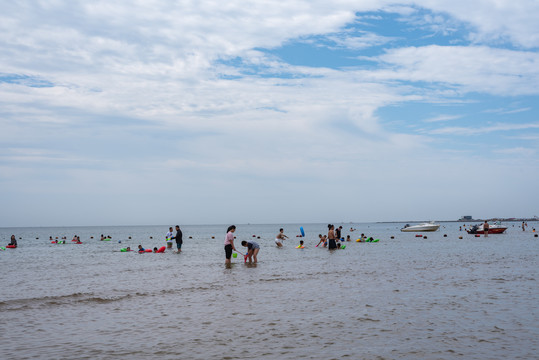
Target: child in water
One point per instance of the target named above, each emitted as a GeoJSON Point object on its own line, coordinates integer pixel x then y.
{"type": "Point", "coordinates": [321, 240]}
{"type": "Point", "coordinates": [141, 249]}
{"type": "Point", "coordinates": [300, 246]}
{"type": "Point", "coordinates": [252, 250]}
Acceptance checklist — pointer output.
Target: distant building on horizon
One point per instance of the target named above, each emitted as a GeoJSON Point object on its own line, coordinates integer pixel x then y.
{"type": "Point", "coordinates": [466, 218]}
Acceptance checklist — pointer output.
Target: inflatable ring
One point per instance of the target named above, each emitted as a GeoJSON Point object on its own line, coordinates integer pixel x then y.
{"type": "Point", "coordinates": [11, 246]}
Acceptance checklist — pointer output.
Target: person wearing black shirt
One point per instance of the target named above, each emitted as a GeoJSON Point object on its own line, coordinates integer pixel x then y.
{"type": "Point", "coordinates": [178, 238]}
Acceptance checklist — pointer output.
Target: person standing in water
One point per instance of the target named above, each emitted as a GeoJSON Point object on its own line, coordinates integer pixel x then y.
{"type": "Point", "coordinates": [169, 237]}
{"type": "Point", "coordinates": [331, 237]}
{"type": "Point", "coordinates": [485, 228]}
{"type": "Point", "coordinates": [179, 239]}
{"type": "Point", "coordinates": [338, 235]}
{"type": "Point", "coordinates": [229, 243]}
{"type": "Point", "coordinates": [280, 238]}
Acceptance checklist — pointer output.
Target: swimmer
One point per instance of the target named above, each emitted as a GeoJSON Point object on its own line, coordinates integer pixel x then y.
{"type": "Point", "coordinates": [102, 238]}
{"type": "Point", "coordinates": [252, 250]}
{"type": "Point", "coordinates": [128, 248]}
{"type": "Point", "coordinates": [280, 238]}
{"type": "Point", "coordinates": [169, 237]}
{"type": "Point", "coordinates": [348, 238]}
{"type": "Point", "coordinates": [141, 249]}
{"type": "Point", "coordinates": [300, 246]}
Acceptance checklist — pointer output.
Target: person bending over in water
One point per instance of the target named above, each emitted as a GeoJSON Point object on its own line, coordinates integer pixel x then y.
{"type": "Point", "coordinates": [252, 250]}
{"type": "Point", "coordinates": [321, 240]}
{"type": "Point", "coordinates": [280, 238]}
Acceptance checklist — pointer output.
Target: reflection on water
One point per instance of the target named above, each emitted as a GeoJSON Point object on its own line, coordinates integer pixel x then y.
{"type": "Point", "coordinates": [407, 297]}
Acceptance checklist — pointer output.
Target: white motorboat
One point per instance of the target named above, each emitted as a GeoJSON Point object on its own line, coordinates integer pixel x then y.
{"type": "Point", "coordinates": [430, 226]}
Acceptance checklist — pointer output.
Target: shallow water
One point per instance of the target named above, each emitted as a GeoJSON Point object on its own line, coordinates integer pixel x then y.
{"type": "Point", "coordinates": [402, 298]}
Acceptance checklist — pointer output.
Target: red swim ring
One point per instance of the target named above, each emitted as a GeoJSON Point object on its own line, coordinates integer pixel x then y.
{"type": "Point", "coordinates": [11, 246]}
{"type": "Point", "coordinates": [161, 249]}
{"type": "Point", "coordinates": [148, 250]}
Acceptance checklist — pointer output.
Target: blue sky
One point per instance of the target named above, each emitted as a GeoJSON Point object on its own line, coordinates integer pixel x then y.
{"type": "Point", "coordinates": [304, 111]}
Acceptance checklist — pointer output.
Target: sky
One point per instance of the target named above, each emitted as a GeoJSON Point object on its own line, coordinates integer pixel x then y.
{"type": "Point", "coordinates": [211, 112]}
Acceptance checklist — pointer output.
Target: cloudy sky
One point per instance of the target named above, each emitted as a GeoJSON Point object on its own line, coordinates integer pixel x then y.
{"type": "Point", "coordinates": [201, 112]}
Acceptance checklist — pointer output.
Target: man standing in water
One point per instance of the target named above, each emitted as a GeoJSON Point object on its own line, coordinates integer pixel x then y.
{"type": "Point", "coordinates": [485, 228]}
{"type": "Point", "coordinates": [338, 233]}
{"type": "Point", "coordinates": [179, 239]}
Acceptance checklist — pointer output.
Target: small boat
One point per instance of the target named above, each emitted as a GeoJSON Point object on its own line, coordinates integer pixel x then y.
{"type": "Point", "coordinates": [496, 228]}
{"type": "Point", "coordinates": [430, 226]}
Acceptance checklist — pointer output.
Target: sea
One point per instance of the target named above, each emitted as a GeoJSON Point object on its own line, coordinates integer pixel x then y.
{"type": "Point", "coordinates": [444, 295]}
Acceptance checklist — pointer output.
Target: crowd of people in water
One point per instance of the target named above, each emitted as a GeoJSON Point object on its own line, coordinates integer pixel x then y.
{"type": "Point", "coordinates": [332, 240]}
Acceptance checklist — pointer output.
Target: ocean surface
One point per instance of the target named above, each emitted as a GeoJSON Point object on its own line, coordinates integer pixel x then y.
{"type": "Point", "coordinates": [404, 298]}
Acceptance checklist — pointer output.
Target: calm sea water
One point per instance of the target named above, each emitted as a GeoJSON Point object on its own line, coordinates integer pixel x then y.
{"type": "Point", "coordinates": [402, 298]}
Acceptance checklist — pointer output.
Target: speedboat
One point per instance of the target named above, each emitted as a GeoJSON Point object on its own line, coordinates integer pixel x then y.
{"type": "Point", "coordinates": [430, 226]}
{"type": "Point", "coordinates": [496, 228]}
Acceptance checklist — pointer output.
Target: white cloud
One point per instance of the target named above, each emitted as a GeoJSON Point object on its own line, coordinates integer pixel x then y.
{"type": "Point", "coordinates": [519, 151]}
{"type": "Point", "coordinates": [494, 21]}
{"type": "Point", "coordinates": [481, 69]}
{"type": "Point", "coordinates": [443, 117]}
{"type": "Point", "coordinates": [483, 129]}
{"type": "Point", "coordinates": [504, 111]}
